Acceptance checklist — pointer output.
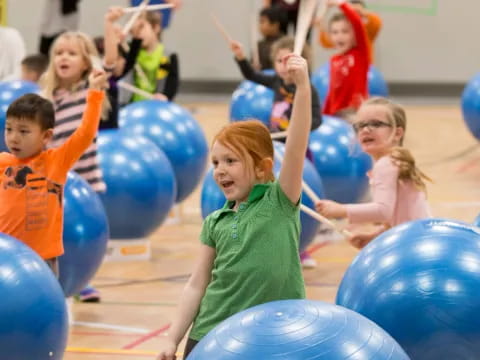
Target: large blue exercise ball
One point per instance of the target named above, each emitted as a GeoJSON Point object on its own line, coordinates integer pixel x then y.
{"type": "Point", "coordinates": [10, 91]}
{"type": "Point", "coordinates": [212, 197]}
{"type": "Point", "coordinates": [175, 131]}
{"type": "Point", "coordinates": [476, 222]}
{"type": "Point", "coordinates": [471, 106]}
{"type": "Point", "coordinates": [297, 330]}
{"type": "Point", "coordinates": [337, 156]}
{"type": "Point", "coordinates": [85, 234]}
{"type": "Point", "coordinates": [252, 101]}
{"type": "Point", "coordinates": [419, 281]}
{"type": "Point", "coordinates": [33, 314]}
{"type": "Point", "coordinates": [377, 86]}
{"type": "Point", "coordinates": [140, 182]}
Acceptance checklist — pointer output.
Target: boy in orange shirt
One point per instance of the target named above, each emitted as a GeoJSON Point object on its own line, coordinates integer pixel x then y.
{"type": "Point", "coordinates": [32, 178]}
{"type": "Point", "coordinates": [371, 22]}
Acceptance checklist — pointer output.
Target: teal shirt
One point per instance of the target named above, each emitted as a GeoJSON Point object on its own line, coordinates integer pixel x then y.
{"type": "Point", "coordinates": [257, 258]}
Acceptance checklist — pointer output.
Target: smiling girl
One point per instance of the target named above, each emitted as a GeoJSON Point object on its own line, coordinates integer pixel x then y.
{"type": "Point", "coordinates": [397, 185]}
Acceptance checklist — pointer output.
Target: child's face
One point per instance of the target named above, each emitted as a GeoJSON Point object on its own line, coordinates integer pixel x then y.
{"type": "Point", "coordinates": [342, 35]}
{"type": "Point", "coordinates": [267, 28]}
{"type": "Point", "coordinates": [375, 132]}
{"type": "Point", "coordinates": [231, 173]}
{"type": "Point", "coordinates": [29, 75]}
{"type": "Point", "coordinates": [25, 137]}
{"type": "Point", "coordinates": [69, 61]}
{"type": "Point", "coordinates": [280, 65]}
{"type": "Point", "coordinates": [147, 33]}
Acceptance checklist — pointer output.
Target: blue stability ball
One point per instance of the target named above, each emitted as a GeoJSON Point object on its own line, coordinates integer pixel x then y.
{"type": "Point", "coordinates": [339, 160]}
{"type": "Point", "coordinates": [476, 222]}
{"type": "Point", "coordinates": [140, 184]}
{"type": "Point", "coordinates": [377, 85]}
{"type": "Point", "coordinates": [85, 234]}
{"type": "Point", "coordinates": [471, 106]}
{"type": "Point", "coordinates": [176, 132]}
{"type": "Point", "coordinates": [251, 101]}
{"type": "Point", "coordinates": [297, 330]}
{"type": "Point", "coordinates": [419, 281]}
{"type": "Point", "coordinates": [10, 91]}
{"type": "Point", "coordinates": [212, 197]}
{"type": "Point", "coordinates": [33, 315]}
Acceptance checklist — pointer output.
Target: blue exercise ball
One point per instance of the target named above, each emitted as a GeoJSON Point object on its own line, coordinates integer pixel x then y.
{"type": "Point", "coordinates": [85, 234]}
{"type": "Point", "coordinates": [10, 91]}
{"type": "Point", "coordinates": [140, 182]}
{"type": "Point", "coordinates": [419, 281]}
{"type": "Point", "coordinates": [377, 86]}
{"type": "Point", "coordinates": [251, 101]}
{"type": "Point", "coordinates": [33, 314]}
{"type": "Point", "coordinates": [339, 160]}
{"type": "Point", "coordinates": [476, 222]}
{"type": "Point", "coordinates": [175, 131]}
{"type": "Point", "coordinates": [297, 330]}
{"type": "Point", "coordinates": [471, 106]}
{"type": "Point", "coordinates": [212, 197]}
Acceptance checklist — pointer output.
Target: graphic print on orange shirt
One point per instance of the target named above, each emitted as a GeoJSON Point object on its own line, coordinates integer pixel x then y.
{"type": "Point", "coordinates": [37, 188]}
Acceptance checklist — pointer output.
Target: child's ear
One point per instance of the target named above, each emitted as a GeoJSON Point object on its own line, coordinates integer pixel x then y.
{"type": "Point", "coordinates": [265, 168]}
{"type": "Point", "coordinates": [47, 136]}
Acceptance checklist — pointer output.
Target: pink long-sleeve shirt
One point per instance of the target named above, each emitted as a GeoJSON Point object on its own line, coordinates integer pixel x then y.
{"type": "Point", "coordinates": [393, 201]}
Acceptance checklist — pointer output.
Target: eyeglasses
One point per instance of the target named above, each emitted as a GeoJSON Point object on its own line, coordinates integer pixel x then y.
{"type": "Point", "coordinates": [370, 125]}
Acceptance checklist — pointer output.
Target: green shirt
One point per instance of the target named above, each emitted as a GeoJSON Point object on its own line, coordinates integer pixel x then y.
{"type": "Point", "coordinates": [257, 258]}
{"type": "Point", "coordinates": [149, 63]}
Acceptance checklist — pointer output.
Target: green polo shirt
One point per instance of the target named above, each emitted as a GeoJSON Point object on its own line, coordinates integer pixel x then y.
{"type": "Point", "coordinates": [257, 258]}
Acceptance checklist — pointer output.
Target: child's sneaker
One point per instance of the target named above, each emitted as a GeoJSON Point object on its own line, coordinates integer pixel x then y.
{"type": "Point", "coordinates": [89, 294]}
{"type": "Point", "coordinates": [307, 261]}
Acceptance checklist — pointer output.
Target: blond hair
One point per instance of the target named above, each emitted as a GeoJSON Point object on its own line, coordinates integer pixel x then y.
{"type": "Point", "coordinates": [402, 157]}
{"type": "Point", "coordinates": [50, 80]}
{"type": "Point", "coordinates": [251, 141]}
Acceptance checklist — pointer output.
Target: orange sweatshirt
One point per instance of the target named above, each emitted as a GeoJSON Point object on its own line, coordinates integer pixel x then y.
{"type": "Point", "coordinates": [372, 24]}
{"type": "Point", "coordinates": [31, 190]}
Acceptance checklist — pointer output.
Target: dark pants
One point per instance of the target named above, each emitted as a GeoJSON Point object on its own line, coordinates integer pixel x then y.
{"type": "Point", "coordinates": [189, 347]}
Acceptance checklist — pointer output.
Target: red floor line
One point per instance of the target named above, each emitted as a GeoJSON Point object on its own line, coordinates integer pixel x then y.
{"type": "Point", "coordinates": [316, 247]}
{"type": "Point", "coordinates": [99, 333]}
{"type": "Point", "coordinates": [146, 337]}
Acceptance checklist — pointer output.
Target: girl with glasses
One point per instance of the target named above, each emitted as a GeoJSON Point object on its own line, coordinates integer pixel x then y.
{"type": "Point", "coordinates": [397, 185]}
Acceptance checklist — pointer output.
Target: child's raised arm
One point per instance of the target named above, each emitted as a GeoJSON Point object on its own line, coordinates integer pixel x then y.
{"type": "Point", "coordinates": [111, 39]}
{"type": "Point", "coordinates": [300, 122]}
{"type": "Point", "coordinates": [357, 25]}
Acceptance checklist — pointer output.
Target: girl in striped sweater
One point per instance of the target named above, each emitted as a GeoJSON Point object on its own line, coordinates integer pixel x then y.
{"type": "Point", "coordinates": [65, 84]}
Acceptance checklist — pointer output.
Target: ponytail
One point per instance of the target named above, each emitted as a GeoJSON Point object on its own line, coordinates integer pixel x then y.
{"type": "Point", "coordinates": [408, 171]}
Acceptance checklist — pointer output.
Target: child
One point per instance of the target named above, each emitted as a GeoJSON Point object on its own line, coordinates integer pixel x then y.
{"type": "Point", "coordinates": [281, 83]}
{"type": "Point", "coordinates": [236, 269]}
{"type": "Point", "coordinates": [118, 61]}
{"type": "Point", "coordinates": [371, 22]}
{"type": "Point", "coordinates": [397, 185]}
{"type": "Point", "coordinates": [161, 70]}
{"type": "Point", "coordinates": [349, 68]}
{"type": "Point", "coordinates": [65, 83]}
{"type": "Point", "coordinates": [33, 66]}
{"type": "Point", "coordinates": [272, 21]}
{"type": "Point", "coordinates": [33, 178]}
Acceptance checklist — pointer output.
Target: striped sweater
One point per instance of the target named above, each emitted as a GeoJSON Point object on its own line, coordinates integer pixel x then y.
{"type": "Point", "coordinates": [69, 108]}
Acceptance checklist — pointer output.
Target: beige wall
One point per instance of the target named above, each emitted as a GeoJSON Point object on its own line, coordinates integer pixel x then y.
{"type": "Point", "coordinates": [412, 47]}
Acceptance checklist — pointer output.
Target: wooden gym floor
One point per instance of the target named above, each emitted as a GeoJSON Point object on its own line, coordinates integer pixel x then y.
{"type": "Point", "coordinates": [138, 298]}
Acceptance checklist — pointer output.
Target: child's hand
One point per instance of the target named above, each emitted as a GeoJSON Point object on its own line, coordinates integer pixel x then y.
{"type": "Point", "coordinates": [298, 69]}
{"type": "Point", "coordinates": [237, 50]}
{"type": "Point", "coordinates": [360, 240]}
{"type": "Point", "coordinates": [332, 3]}
{"type": "Point", "coordinates": [98, 79]}
{"type": "Point", "coordinates": [331, 209]}
{"type": "Point", "coordinates": [168, 350]}
{"type": "Point", "coordinates": [114, 13]}
{"type": "Point", "coordinates": [160, 96]}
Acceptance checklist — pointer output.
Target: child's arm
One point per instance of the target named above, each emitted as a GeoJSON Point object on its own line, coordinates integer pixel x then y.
{"type": "Point", "coordinates": [189, 302]}
{"type": "Point", "coordinates": [358, 28]}
{"type": "Point", "coordinates": [130, 57]}
{"type": "Point", "coordinates": [316, 109]}
{"type": "Point", "coordinates": [385, 180]}
{"type": "Point", "coordinates": [246, 68]}
{"type": "Point", "coordinates": [290, 178]}
{"type": "Point", "coordinates": [111, 39]}
{"type": "Point", "coordinates": [69, 153]}
{"type": "Point", "coordinates": [171, 83]}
